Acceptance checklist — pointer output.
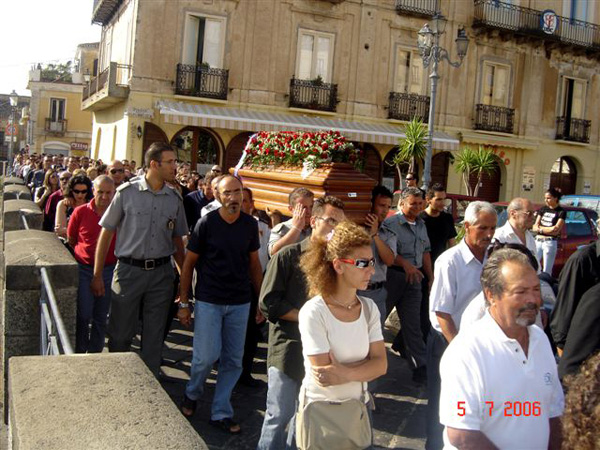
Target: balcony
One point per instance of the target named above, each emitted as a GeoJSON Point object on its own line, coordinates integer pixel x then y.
{"type": "Point", "coordinates": [574, 130]}
{"type": "Point", "coordinates": [494, 118]}
{"type": "Point", "coordinates": [110, 87]}
{"type": "Point", "coordinates": [104, 10]}
{"type": "Point", "coordinates": [313, 94]}
{"type": "Point", "coordinates": [201, 81]}
{"type": "Point", "coordinates": [403, 106]}
{"type": "Point", "coordinates": [493, 14]}
{"type": "Point", "coordinates": [419, 8]}
{"type": "Point", "coordinates": [55, 126]}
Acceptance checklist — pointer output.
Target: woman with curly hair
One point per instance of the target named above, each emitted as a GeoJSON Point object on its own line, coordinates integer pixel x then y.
{"type": "Point", "coordinates": [581, 420]}
{"type": "Point", "coordinates": [342, 342]}
{"type": "Point", "coordinates": [78, 192]}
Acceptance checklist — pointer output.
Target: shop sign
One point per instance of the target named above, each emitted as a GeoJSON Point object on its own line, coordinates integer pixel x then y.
{"type": "Point", "coordinates": [528, 178]}
{"type": "Point", "coordinates": [83, 146]}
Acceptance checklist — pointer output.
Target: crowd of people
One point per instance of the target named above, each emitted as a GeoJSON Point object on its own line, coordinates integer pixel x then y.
{"type": "Point", "coordinates": [478, 327]}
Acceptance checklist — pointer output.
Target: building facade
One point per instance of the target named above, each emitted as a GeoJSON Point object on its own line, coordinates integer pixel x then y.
{"type": "Point", "coordinates": [204, 75]}
{"type": "Point", "coordinates": [8, 131]}
{"type": "Point", "coordinates": [57, 124]}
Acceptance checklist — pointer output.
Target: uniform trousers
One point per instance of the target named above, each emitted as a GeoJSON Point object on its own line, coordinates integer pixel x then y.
{"type": "Point", "coordinates": [134, 288]}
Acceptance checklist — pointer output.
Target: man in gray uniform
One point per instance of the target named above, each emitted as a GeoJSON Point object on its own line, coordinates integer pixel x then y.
{"type": "Point", "coordinates": [149, 218]}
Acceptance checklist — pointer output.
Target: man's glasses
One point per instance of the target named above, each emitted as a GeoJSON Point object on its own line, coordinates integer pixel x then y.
{"type": "Point", "coordinates": [77, 191]}
{"type": "Point", "coordinates": [329, 221]}
{"type": "Point", "coordinates": [115, 171]}
{"type": "Point", "coordinates": [360, 263]}
{"type": "Point", "coordinates": [409, 179]}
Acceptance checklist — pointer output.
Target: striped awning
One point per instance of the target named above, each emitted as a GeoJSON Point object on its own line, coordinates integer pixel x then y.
{"type": "Point", "coordinates": [181, 113]}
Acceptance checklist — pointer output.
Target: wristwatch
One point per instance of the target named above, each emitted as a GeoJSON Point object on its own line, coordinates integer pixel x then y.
{"type": "Point", "coordinates": [184, 305]}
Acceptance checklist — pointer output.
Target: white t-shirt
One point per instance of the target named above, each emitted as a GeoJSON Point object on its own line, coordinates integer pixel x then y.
{"type": "Point", "coordinates": [456, 282]}
{"type": "Point", "coordinates": [506, 234]}
{"type": "Point", "coordinates": [484, 369]}
{"type": "Point", "coordinates": [264, 232]}
{"type": "Point", "coordinates": [321, 333]}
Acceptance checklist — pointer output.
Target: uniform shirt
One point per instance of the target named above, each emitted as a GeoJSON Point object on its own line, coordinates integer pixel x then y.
{"type": "Point", "coordinates": [411, 240]}
{"type": "Point", "coordinates": [146, 221]}
{"type": "Point", "coordinates": [506, 234]}
{"type": "Point", "coordinates": [283, 228]}
{"type": "Point", "coordinates": [283, 289]}
{"type": "Point", "coordinates": [456, 282]}
{"type": "Point", "coordinates": [389, 239]}
{"type": "Point", "coordinates": [440, 230]}
{"type": "Point", "coordinates": [223, 267]}
{"type": "Point", "coordinates": [484, 369]}
{"type": "Point", "coordinates": [85, 227]}
{"type": "Point", "coordinates": [580, 273]}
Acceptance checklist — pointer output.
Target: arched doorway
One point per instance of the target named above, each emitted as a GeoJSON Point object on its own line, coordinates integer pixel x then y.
{"type": "Point", "coordinates": [490, 184]}
{"type": "Point", "coordinates": [372, 162]}
{"type": "Point", "coordinates": [439, 168]}
{"type": "Point", "coordinates": [152, 134]}
{"type": "Point", "coordinates": [199, 146]}
{"type": "Point", "coordinates": [234, 149]}
{"type": "Point", "coordinates": [564, 175]}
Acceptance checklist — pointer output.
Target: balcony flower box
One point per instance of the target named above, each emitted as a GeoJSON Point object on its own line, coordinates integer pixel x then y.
{"type": "Point", "coordinates": [275, 163]}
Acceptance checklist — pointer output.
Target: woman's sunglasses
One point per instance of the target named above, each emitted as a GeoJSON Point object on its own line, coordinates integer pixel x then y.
{"type": "Point", "coordinates": [77, 191]}
{"type": "Point", "coordinates": [360, 263]}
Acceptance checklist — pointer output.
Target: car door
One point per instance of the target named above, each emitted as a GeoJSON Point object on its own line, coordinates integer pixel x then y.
{"type": "Point", "coordinates": [577, 231]}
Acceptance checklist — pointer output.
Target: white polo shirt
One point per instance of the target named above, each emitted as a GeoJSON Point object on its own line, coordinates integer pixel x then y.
{"type": "Point", "coordinates": [506, 234]}
{"type": "Point", "coordinates": [483, 367]}
{"type": "Point", "coordinates": [456, 282]}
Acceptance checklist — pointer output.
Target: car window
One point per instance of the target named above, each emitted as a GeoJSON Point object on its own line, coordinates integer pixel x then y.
{"type": "Point", "coordinates": [577, 224]}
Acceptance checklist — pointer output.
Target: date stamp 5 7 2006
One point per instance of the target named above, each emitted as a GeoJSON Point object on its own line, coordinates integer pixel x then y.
{"type": "Point", "coordinates": [510, 409]}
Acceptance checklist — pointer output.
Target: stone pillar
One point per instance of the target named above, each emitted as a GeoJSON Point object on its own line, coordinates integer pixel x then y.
{"type": "Point", "coordinates": [94, 401]}
{"type": "Point", "coordinates": [13, 180]}
{"type": "Point", "coordinates": [14, 209]}
{"type": "Point", "coordinates": [16, 191]}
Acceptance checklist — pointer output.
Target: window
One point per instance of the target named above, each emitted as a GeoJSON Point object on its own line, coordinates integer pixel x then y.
{"type": "Point", "coordinates": [57, 109]}
{"type": "Point", "coordinates": [577, 224]}
{"type": "Point", "coordinates": [315, 55]}
{"type": "Point", "coordinates": [579, 9]}
{"type": "Point", "coordinates": [572, 105]}
{"type": "Point", "coordinates": [495, 84]}
{"type": "Point", "coordinates": [204, 40]}
{"type": "Point", "coordinates": [410, 75]}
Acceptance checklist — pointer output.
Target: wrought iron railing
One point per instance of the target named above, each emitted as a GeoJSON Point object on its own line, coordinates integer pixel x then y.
{"type": "Point", "coordinates": [313, 94]}
{"type": "Point", "coordinates": [119, 74]}
{"type": "Point", "coordinates": [527, 21]}
{"type": "Point", "coordinates": [576, 130]}
{"type": "Point", "coordinates": [403, 106]}
{"type": "Point", "coordinates": [202, 81]}
{"type": "Point", "coordinates": [57, 126]}
{"type": "Point", "coordinates": [54, 339]}
{"type": "Point", "coordinates": [494, 118]}
{"type": "Point", "coordinates": [426, 8]}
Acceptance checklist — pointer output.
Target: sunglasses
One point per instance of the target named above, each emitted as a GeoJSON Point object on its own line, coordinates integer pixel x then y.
{"type": "Point", "coordinates": [409, 179]}
{"type": "Point", "coordinates": [65, 179]}
{"type": "Point", "coordinates": [114, 171]}
{"type": "Point", "coordinates": [77, 191]}
{"type": "Point", "coordinates": [360, 263]}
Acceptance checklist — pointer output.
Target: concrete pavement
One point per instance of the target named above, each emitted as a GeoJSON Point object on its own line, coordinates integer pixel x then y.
{"type": "Point", "coordinates": [399, 421]}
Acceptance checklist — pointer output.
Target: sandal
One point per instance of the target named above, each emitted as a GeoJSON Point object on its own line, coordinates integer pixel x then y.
{"type": "Point", "coordinates": [227, 425]}
{"type": "Point", "coordinates": [187, 406]}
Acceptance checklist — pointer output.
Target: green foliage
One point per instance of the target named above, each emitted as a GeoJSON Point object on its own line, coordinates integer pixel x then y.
{"type": "Point", "coordinates": [479, 162]}
{"type": "Point", "coordinates": [318, 81]}
{"type": "Point", "coordinates": [412, 147]}
{"type": "Point", "coordinates": [57, 72]}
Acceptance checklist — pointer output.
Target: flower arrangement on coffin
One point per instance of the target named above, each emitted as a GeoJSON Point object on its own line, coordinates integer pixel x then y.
{"type": "Point", "coordinates": [309, 150]}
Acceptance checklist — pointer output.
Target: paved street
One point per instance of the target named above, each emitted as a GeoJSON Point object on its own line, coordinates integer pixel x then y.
{"type": "Point", "coordinates": [399, 419]}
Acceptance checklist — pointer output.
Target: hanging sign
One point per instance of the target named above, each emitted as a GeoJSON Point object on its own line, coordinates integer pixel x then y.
{"type": "Point", "coordinates": [548, 21]}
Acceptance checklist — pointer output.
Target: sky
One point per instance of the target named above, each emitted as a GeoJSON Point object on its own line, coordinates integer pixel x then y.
{"type": "Point", "coordinates": [41, 31]}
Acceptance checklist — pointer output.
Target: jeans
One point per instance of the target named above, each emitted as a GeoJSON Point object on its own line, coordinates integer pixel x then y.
{"type": "Point", "coordinates": [546, 251]}
{"type": "Point", "coordinates": [219, 333]}
{"type": "Point", "coordinates": [92, 309]}
{"type": "Point", "coordinates": [282, 400]}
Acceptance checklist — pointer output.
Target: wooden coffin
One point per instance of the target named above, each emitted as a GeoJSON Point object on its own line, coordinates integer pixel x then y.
{"type": "Point", "coordinates": [271, 187]}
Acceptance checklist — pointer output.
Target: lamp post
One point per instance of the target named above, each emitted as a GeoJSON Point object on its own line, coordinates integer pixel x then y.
{"type": "Point", "coordinates": [14, 101]}
{"type": "Point", "coordinates": [432, 53]}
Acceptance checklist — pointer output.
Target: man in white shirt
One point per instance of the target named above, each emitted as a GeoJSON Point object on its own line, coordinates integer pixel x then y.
{"type": "Point", "coordinates": [456, 283]}
{"type": "Point", "coordinates": [521, 216]}
{"type": "Point", "coordinates": [500, 386]}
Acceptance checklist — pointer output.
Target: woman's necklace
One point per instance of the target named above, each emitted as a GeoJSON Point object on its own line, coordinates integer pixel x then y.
{"type": "Point", "coordinates": [342, 305]}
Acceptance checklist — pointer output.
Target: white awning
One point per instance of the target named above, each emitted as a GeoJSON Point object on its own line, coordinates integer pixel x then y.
{"type": "Point", "coordinates": [181, 113]}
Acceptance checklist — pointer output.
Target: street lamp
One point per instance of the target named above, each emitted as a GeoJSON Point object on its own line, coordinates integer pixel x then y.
{"type": "Point", "coordinates": [428, 41]}
{"type": "Point", "coordinates": [14, 101]}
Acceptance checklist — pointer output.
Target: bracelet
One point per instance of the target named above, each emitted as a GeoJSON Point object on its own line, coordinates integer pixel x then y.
{"type": "Point", "coordinates": [184, 305]}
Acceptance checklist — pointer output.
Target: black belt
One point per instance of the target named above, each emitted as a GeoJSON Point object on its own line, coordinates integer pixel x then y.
{"type": "Point", "coordinates": [375, 286]}
{"type": "Point", "coordinates": [146, 264]}
{"type": "Point", "coordinates": [543, 237]}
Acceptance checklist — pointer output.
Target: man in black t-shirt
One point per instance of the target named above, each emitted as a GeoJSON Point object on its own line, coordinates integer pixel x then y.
{"type": "Point", "coordinates": [548, 225]}
{"type": "Point", "coordinates": [223, 248]}
{"type": "Point", "coordinates": [440, 225]}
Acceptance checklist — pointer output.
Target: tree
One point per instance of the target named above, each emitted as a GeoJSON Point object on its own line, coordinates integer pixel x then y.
{"type": "Point", "coordinates": [57, 72]}
{"type": "Point", "coordinates": [411, 148]}
{"type": "Point", "coordinates": [479, 162]}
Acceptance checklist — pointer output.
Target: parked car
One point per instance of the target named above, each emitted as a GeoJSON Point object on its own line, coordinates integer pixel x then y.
{"type": "Point", "coordinates": [583, 201]}
{"type": "Point", "coordinates": [455, 205]}
{"type": "Point", "coordinates": [579, 230]}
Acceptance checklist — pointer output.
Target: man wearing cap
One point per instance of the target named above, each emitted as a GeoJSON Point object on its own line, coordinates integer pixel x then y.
{"type": "Point", "coordinates": [150, 220]}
